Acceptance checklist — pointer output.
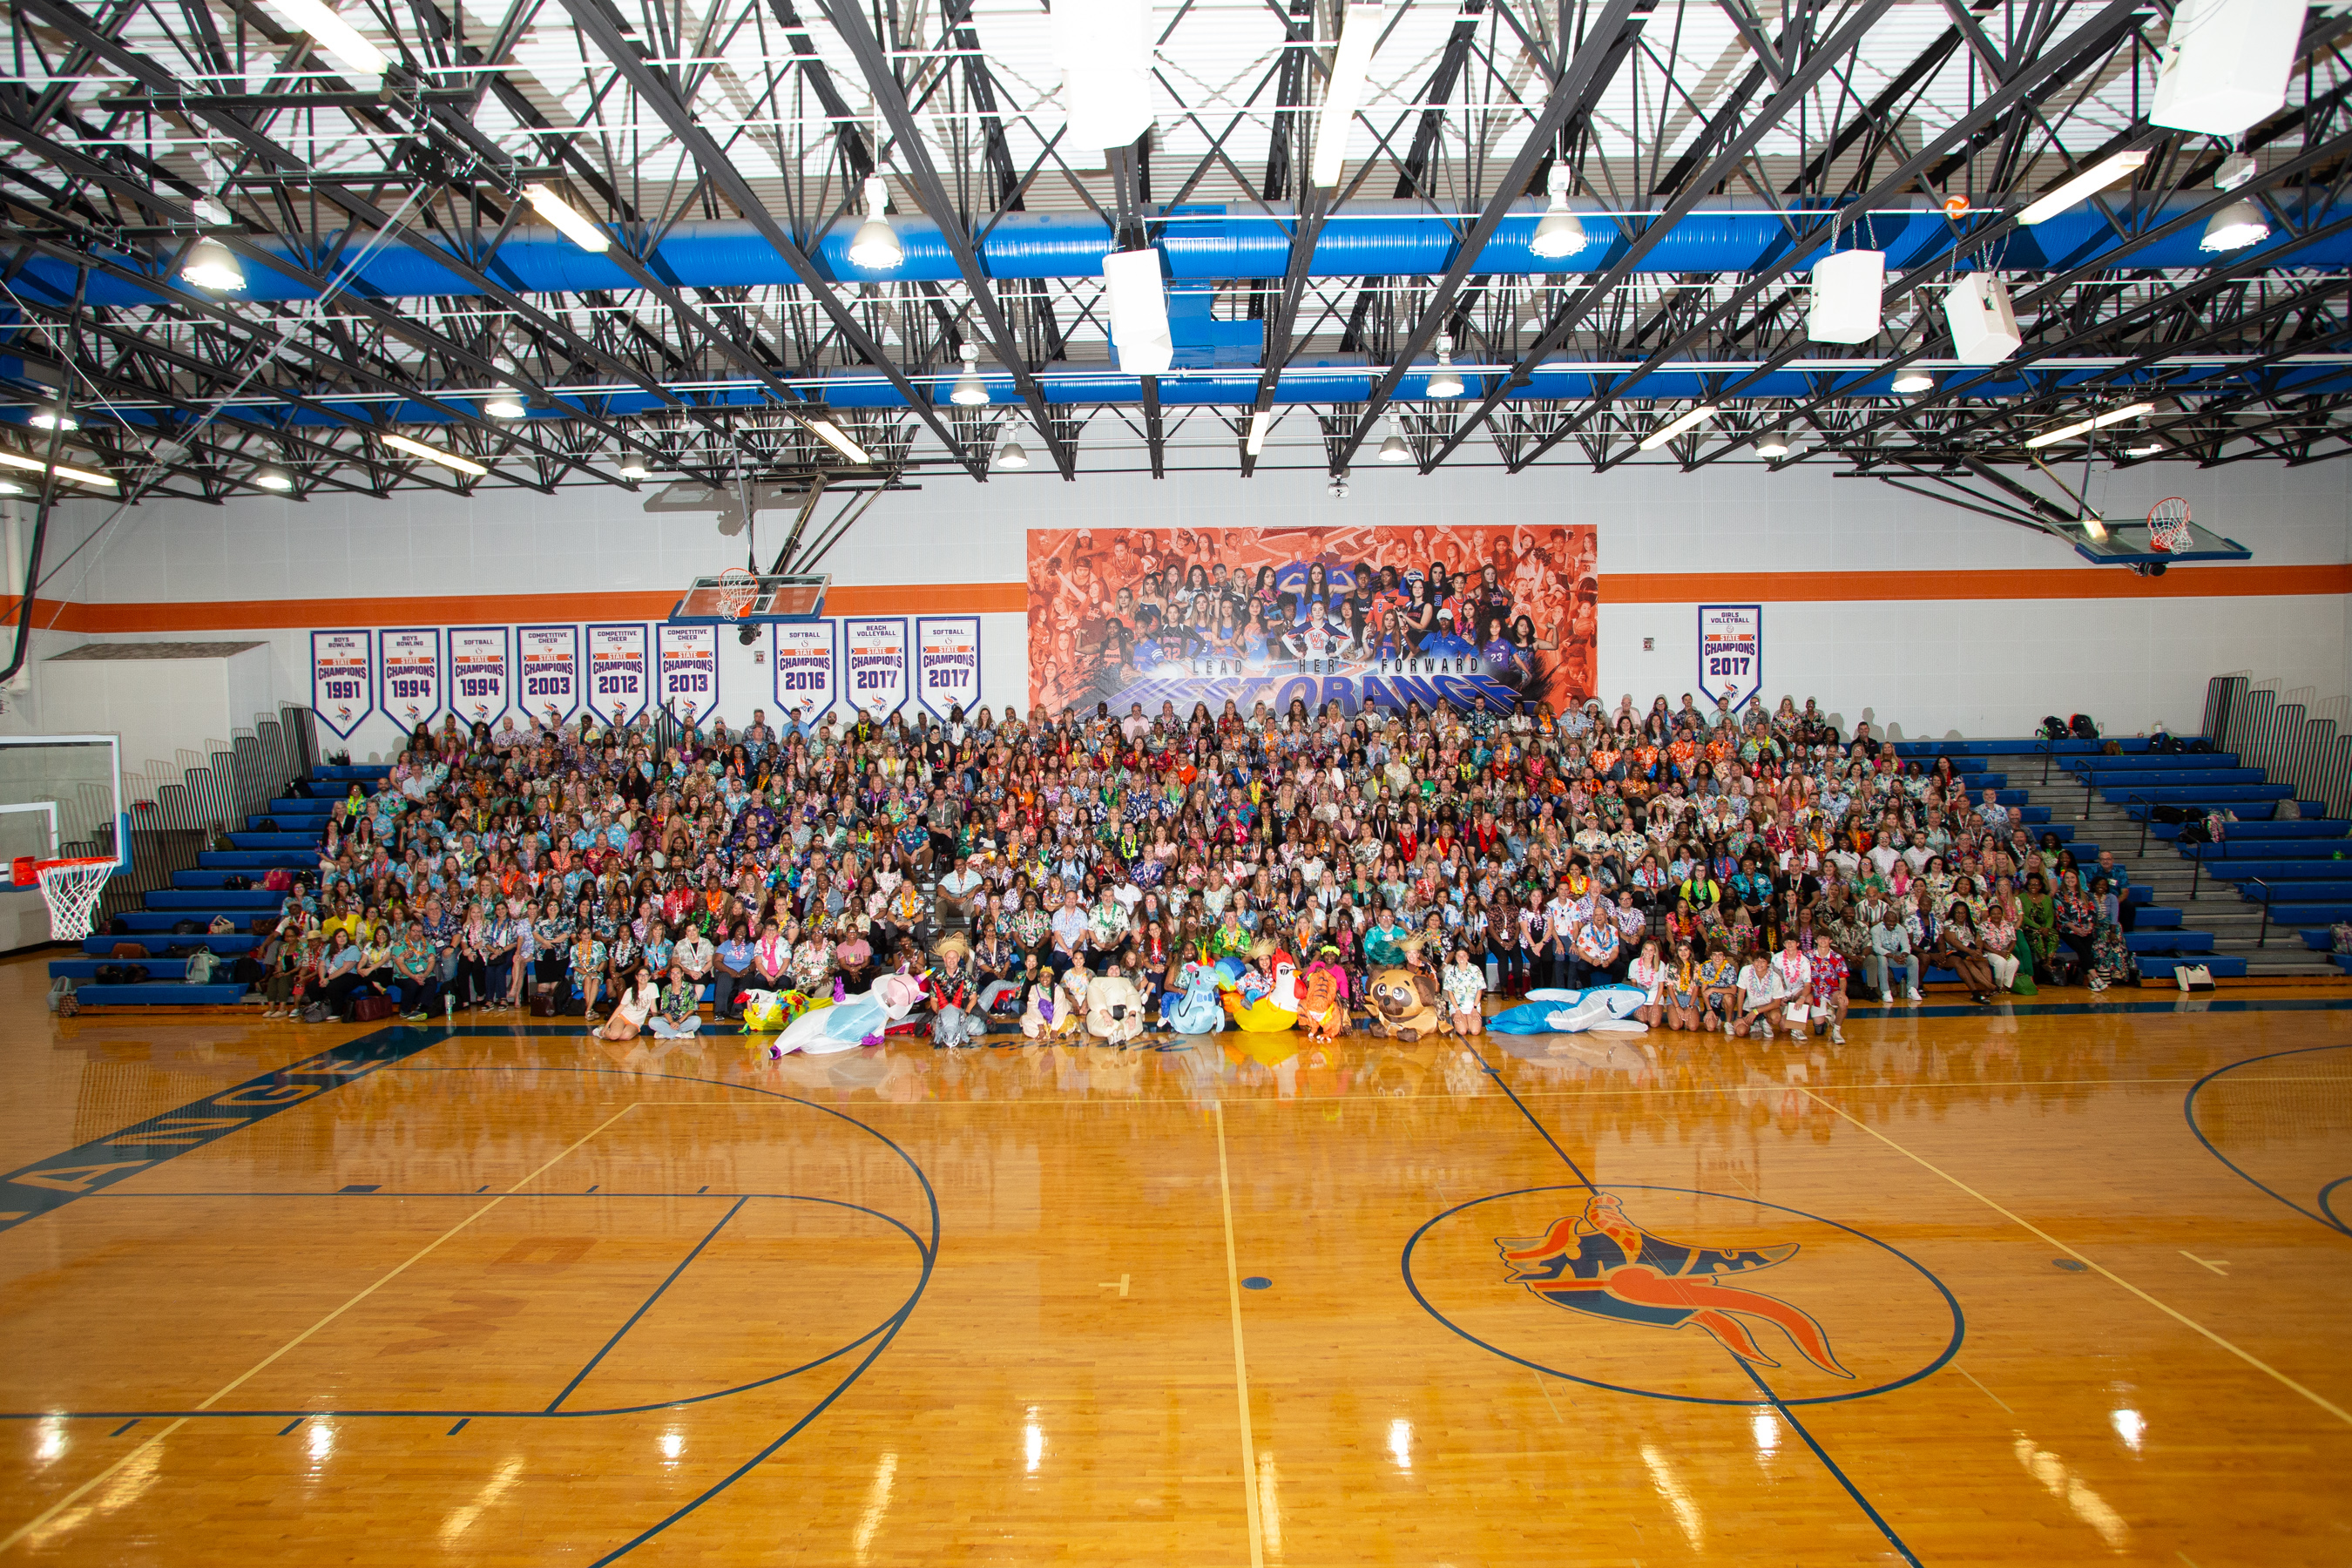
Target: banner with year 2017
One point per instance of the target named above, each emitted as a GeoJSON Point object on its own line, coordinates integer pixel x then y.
{"type": "Point", "coordinates": [947, 663]}
{"type": "Point", "coordinates": [549, 666]}
{"type": "Point", "coordinates": [342, 679]}
{"type": "Point", "coordinates": [808, 674]}
{"type": "Point", "coordinates": [409, 668]}
{"type": "Point", "coordinates": [481, 673]}
{"type": "Point", "coordinates": [1731, 653]}
{"type": "Point", "coordinates": [618, 672]}
{"type": "Point", "coordinates": [687, 659]}
{"type": "Point", "coordinates": [876, 663]}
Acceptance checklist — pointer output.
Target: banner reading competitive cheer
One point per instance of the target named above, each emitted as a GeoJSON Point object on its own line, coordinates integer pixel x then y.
{"type": "Point", "coordinates": [1474, 617]}
{"type": "Point", "coordinates": [688, 657]}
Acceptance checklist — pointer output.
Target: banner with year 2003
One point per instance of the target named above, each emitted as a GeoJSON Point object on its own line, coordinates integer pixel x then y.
{"type": "Point", "coordinates": [876, 663]}
{"type": "Point", "coordinates": [688, 658]}
{"type": "Point", "coordinates": [618, 675]}
{"type": "Point", "coordinates": [342, 679]}
{"type": "Point", "coordinates": [409, 668]}
{"type": "Point", "coordinates": [481, 673]}
{"type": "Point", "coordinates": [808, 680]}
{"type": "Point", "coordinates": [549, 666]}
{"type": "Point", "coordinates": [1731, 652]}
{"type": "Point", "coordinates": [947, 663]}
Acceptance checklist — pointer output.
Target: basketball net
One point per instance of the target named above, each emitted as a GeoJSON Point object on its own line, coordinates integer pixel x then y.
{"type": "Point", "coordinates": [2167, 526]}
{"type": "Point", "coordinates": [71, 890]}
{"type": "Point", "coordinates": [737, 589]}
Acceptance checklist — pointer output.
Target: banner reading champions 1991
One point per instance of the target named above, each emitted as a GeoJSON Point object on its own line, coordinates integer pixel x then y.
{"type": "Point", "coordinates": [1476, 618]}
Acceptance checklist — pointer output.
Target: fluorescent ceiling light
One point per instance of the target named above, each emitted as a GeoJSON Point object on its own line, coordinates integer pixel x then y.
{"type": "Point", "coordinates": [2063, 433]}
{"type": "Point", "coordinates": [2083, 427]}
{"type": "Point", "coordinates": [1445, 381]}
{"type": "Point", "coordinates": [274, 479]}
{"type": "Point", "coordinates": [1677, 425]}
{"type": "Point", "coordinates": [52, 416]}
{"type": "Point", "coordinates": [338, 37]}
{"type": "Point", "coordinates": [2234, 227]}
{"type": "Point", "coordinates": [10, 487]}
{"type": "Point", "coordinates": [1360, 30]}
{"type": "Point", "coordinates": [834, 436]}
{"type": "Point", "coordinates": [876, 246]}
{"type": "Point", "coordinates": [1558, 232]}
{"type": "Point", "coordinates": [35, 464]}
{"type": "Point", "coordinates": [212, 265]}
{"type": "Point", "coordinates": [1261, 421]}
{"type": "Point", "coordinates": [570, 224]}
{"type": "Point", "coordinates": [1139, 311]}
{"type": "Point", "coordinates": [2117, 416]}
{"type": "Point", "coordinates": [2145, 449]}
{"type": "Point", "coordinates": [1013, 456]}
{"type": "Point", "coordinates": [432, 454]}
{"type": "Point", "coordinates": [2096, 178]}
{"type": "Point", "coordinates": [1911, 378]}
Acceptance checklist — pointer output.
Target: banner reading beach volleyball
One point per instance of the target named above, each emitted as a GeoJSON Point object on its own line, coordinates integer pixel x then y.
{"type": "Point", "coordinates": [947, 663]}
{"type": "Point", "coordinates": [550, 665]}
{"type": "Point", "coordinates": [481, 674]}
{"type": "Point", "coordinates": [807, 678]}
{"type": "Point", "coordinates": [1731, 652]}
{"type": "Point", "coordinates": [617, 674]}
{"type": "Point", "coordinates": [689, 660]}
{"type": "Point", "coordinates": [410, 670]}
{"type": "Point", "coordinates": [876, 663]}
{"type": "Point", "coordinates": [342, 678]}
{"type": "Point", "coordinates": [1473, 617]}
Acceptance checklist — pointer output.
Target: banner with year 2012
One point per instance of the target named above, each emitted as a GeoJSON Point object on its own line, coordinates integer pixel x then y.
{"type": "Point", "coordinates": [549, 664]}
{"type": "Point", "coordinates": [481, 674]}
{"type": "Point", "coordinates": [808, 677]}
{"type": "Point", "coordinates": [409, 668]}
{"type": "Point", "coordinates": [688, 658]}
{"type": "Point", "coordinates": [342, 679]}
{"type": "Point", "coordinates": [618, 676]}
{"type": "Point", "coordinates": [1731, 653]}
{"type": "Point", "coordinates": [947, 663]}
{"type": "Point", "coordinates": [876, 663]}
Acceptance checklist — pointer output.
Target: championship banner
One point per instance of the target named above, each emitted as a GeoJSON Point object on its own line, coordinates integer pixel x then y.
{"type": "Point", "coordinates": [947, 663]}
{"type": "Point", "coordinates": [481, 673]}
{"type": "Point", "coordinates": [687, 658]}
{"type": "Point", "coordinates": [808, 683]}
{"type": "Point", "coordinates": [1731, 652]}
{"type": "Point", "coordinates": [876, 678]}
{"type": "Point", "coordinates": [410, 671]}
{"type": "Point", "coordinates": [342, 679]}
{"type": "Point", "coordinates": [617, 676]}
{"type": "Point", "coordinates": [550, 667]}
{"type": "Point", "coordinates": [1484, 618]}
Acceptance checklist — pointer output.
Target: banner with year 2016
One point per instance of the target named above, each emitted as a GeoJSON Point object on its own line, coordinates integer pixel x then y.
{"type": "Point", "coordinates": [409, 668]}
{"type": "Point", "coordinates": [947, 663]}
{"type": "Point", "coordinates": [688, 658]}
{"type": "Point", "coordinates": [342, 679]}
{"type": "Point", "coordinates": [876, 674]}
{"type": "Point", "coordinates": [618, 675]}
{"type": "Point", "coordinates": [550, 665]}
{"type": "Point", "coordinates": [808, 678]}
{"type": "Point", "coordinates": [481, 674]}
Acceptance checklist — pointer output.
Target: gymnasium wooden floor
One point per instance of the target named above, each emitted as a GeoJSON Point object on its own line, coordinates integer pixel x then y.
{"type": "Point", "coordinates": [390, 1295]}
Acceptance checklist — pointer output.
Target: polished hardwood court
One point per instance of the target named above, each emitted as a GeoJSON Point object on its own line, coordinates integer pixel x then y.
{"type": "Point", "coordinates": [2057, 1285]}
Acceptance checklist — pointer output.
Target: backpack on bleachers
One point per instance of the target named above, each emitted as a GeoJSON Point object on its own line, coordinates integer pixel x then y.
{"type": "Point", "coordinates": [2081, 727]}
{"type": "Point", "coordinates": [2053, 727]}
{"type": "Point", "coordinates": [2288, 810]}
{"type": "Point", "coordinates": [236, 882]}
{"type": "Point", "coordinates": [201, 964]}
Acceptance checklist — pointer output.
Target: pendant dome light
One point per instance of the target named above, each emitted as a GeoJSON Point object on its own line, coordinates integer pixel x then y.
{"type": "Point", "coordinates": [876, 246]}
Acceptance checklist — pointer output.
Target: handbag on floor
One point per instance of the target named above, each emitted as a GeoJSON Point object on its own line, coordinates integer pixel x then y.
{"type": "Point", "coordinates": [373, 1009]}
{"type": "Point", "coordinates": [2193, 977]}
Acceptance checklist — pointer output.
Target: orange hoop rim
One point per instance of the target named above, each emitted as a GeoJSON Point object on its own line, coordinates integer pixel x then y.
{"type": "Point", "coordinates": [39, 865]}
{"type": "Point", "coordinates": [737, 586]}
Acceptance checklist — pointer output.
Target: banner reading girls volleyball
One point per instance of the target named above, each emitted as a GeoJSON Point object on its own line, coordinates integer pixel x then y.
{"type": "Point", "coordinates": [689, 660]}
{"type": "Point", "coordinates": [947, 663]}
{"type": "Point", "coordinates": [807, 680]}
{"type": "Point", "coordinates": [342, 679]}
{"type": "Point", "coordinates": [411, 673]}
{"type": "Point", "coordinates": [1476, 617]}
{"type": "Point", "coordinates": [481, 676]}
{"type": "Point", "coordinates": [617, 672]}
{"type": "Point", "coordinates": [877, 663]}
{"type": "Point", "coordinates": [551, 672]}
{"type": "Point", "coordinates": [1731, 652]}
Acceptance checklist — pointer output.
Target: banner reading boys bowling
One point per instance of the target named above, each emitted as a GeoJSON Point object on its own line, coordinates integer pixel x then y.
{"type": "Point", "coordinates": [688, 660]}
{"type": "Point", "coordinates": [342, 679]}
{"type": "Point", "coordinates": [411, 672]}
{"type": "Point", "coordinates": [878, 663]}
{"type": "Point", "coordinates": [807, 682]}
{"type": "Point", "coordinates": [947, 663]}
{"type": "Point", "coordinates": [617, 672]}
{"type": "Point", "coordinates": [549, 664]}
{"type": "Point", "coordinates": [481, 678]}
{"type": "Point", "coordinates": [1489, 618]}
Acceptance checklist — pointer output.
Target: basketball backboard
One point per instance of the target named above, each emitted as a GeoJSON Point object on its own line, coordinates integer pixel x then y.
{"type": "Point", "coordinates": [61, 798]}
{"type": "Point", "coordinates": [740, 595]}
{"type": "Point", "coordinates": [2128, 545]}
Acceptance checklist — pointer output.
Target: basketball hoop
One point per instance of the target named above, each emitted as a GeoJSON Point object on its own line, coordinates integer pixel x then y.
{"type": "Point", "coordinates": [71, 890]}
{"type": "Point", "coordinates": [2167, 526]}
{"type": "Point", "coordinates": [737, 589]}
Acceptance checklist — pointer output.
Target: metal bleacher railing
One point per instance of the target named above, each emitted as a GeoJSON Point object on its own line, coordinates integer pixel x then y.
{"type": "Point", "coordinates": [171, 820]}
{"type": "Point", "coordinates": [2291, 738]}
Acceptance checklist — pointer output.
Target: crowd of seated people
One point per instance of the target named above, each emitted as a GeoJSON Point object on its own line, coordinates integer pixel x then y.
{"type": "Point", "coordinates": [1749, 871]}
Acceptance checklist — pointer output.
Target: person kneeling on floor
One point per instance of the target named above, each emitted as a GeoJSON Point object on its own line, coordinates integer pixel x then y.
{"type": "Point", "coordinates": [679, 1013]}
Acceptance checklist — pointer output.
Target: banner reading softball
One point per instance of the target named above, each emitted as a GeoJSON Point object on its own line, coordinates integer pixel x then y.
{"type": "Point", "coordinates": [342, 679]}
{"type": "Point", "coordinates": [481, 678]}
{"type": "Point", "coordinates": [411, 673]}
{"type": "Point", "coordinates": [1488, 618]}
{"type": "Point", "coordinates": [551, 672]}
{"type": "Point", "coordinates": [617, 676]}
{"type": "Point", "coordinates": [807, 684]}
{"type": "Point", "coordinates": [689, 660]}
{"type": "Point", "coordinates": [947, 663]}
{"type": "Point", "coordinates": [877, 663]}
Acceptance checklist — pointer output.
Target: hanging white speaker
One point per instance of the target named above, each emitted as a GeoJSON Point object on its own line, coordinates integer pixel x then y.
{"type": "Point", "coordinates": [1846, 290]}
{"type": "Point", "coordinates": [1984, 327]}
{"type": "Point", "coordinates": [2225, 64]}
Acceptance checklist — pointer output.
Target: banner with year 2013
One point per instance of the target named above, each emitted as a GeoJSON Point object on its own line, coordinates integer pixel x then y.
{"type": "Point", "coordinates": [947, 663]}
{"type": "Point", "coordinates": [876, 678]}
{"type": "Point", "coordinates": [549, 664]}
{"type": "Point", "coordinates": [342, 679]}
{"type": "Point", "coordinates": [617, 672]}
{"type": "Point", "coordinates": [481, 674]}
{"type": "Point", "coordinates": [688, 658]}
{"type": "Point", "coordinates": [1731, 653]}
{"type": "Point", "coordinates": [808, 677]}
{"type": "Point", "coordinates": [409, 666]}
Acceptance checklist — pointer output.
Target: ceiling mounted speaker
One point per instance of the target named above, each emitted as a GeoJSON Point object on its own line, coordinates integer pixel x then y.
{"type": "Point", "coordinates": [2225, 64]}
{"type": "Point", "coordinates": [1984, 327]}
{"type": "Point", "coordinates": [1847, 288]}
{"type": "Point", "coordinates": [1139, 311]}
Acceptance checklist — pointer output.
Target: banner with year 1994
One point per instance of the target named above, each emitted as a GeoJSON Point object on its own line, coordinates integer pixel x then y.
{"type": "Point", "coordinates": [688, 658]}
{"type": "Point", "coordinates": [409, 666]}
{"type": "Point", "coordinates": [808, 680]}
{"type": "Point", "coordinates": [481, 676]}
{"type": "Point", "coordinates": [342, 679]}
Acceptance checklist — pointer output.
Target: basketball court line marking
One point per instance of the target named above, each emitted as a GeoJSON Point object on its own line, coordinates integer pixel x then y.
{"type": "Point", "coordinates": [1241, 1358]}
{"type": "Point", "coordinates": [75, 1496]}
{"type": "Point", "coordinates": [2326, 1215]}
{"type": "Point", "coordinates": [1988, 1393]}
{"type": "Point", "coordinates": [2091, 1263]}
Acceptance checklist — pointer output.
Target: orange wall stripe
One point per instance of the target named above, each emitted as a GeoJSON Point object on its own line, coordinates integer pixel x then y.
{"type": "Point", "coordinates": [2088, 582]}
